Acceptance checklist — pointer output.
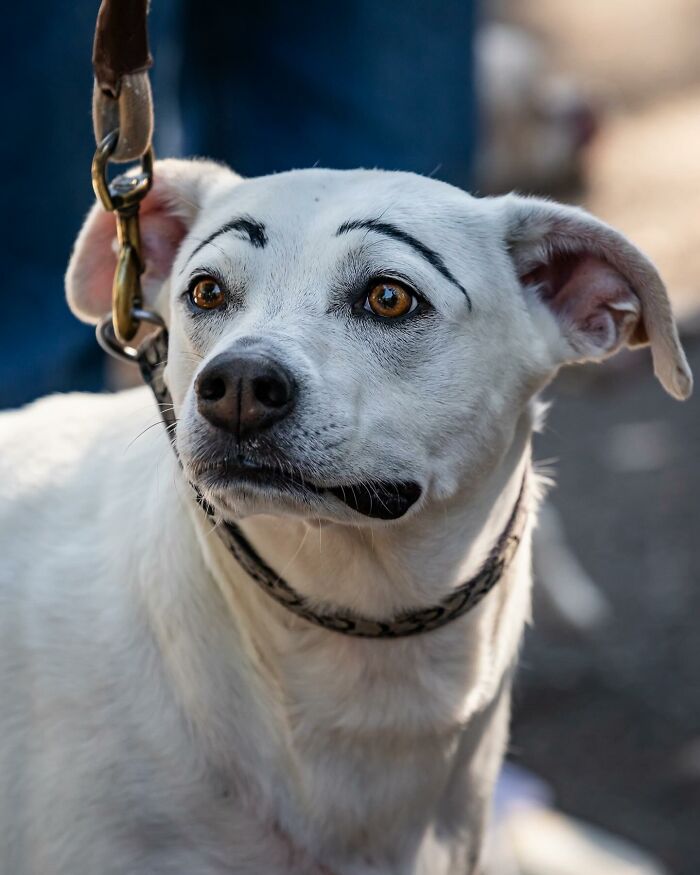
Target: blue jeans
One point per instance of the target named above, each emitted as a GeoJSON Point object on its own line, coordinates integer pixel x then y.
{"type": "Point", "coordinates": [265, 87]}
{"type": "Point", "coordinates": [372, 83]}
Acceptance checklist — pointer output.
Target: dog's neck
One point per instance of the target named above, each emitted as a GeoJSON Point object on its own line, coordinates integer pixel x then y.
{"type": "Point", "coordinates": [383, 721]}
{"type": "Point", "coordinates": [383, 571]}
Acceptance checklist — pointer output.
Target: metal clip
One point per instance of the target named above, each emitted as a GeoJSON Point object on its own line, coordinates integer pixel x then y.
{"type": "Point", "coordinates": [108, 340]}
{"type": "Point", "coordinates": [123, 196]}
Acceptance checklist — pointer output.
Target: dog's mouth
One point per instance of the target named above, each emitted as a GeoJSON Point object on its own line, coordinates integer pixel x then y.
{"type": "Point", "coordinates": [378, 499]}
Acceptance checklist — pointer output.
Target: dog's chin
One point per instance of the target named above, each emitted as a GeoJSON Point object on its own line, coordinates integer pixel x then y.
{"type": "Point", "coordinates": [242, 487]}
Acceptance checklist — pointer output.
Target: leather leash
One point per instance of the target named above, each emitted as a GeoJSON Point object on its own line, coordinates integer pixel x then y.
{"type": "Point", "coordinates": [122, 98]}
{"type": "Point", "coordinates": [122, 113]}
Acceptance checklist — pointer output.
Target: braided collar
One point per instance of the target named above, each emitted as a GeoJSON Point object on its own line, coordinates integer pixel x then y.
{"type": "Point", "coordinates": [152, 357]}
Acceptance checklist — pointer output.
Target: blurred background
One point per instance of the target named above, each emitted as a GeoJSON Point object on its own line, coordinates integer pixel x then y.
{"type": "Point", "coordinates": [591, 101]}
{"type": "Point", "coordinates": [607, 705]}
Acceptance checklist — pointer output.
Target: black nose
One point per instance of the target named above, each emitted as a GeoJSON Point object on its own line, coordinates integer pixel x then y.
{"type": "Point", "coordinates": [244, 394]}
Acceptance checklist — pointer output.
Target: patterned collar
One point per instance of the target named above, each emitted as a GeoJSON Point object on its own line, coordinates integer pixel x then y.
{"type": "Point", "coordinates": [152, 357]}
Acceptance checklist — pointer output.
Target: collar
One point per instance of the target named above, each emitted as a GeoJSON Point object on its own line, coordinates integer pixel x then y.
{"type": "Point", "coordinates": [152, 358]}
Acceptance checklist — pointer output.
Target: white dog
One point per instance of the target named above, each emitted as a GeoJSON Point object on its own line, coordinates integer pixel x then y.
{"type": "Point", "coordinates": [353, 361]}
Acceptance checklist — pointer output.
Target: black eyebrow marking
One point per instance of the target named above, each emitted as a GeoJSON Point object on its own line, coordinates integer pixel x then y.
{"type": "Point", "coordinates": [426, 252]}
{"type": "Point", "coordinates": [255, 231]}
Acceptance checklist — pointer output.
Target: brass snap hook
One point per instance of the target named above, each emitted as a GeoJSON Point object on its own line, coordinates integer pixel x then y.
{"type": "Point", "coordinates": [126, 190]}
{"type": "Point", "coordinates": [123, 196]}
{"type": "Point", "coordinates": [107, 339]}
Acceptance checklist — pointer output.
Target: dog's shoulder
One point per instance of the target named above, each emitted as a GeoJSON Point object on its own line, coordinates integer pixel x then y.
{"type": "Point", "coordinates": [78, 491]}
{"type": "Point", "coordinates": [46, 444]}
{"type": "Point", "coordinates": [71, 470]}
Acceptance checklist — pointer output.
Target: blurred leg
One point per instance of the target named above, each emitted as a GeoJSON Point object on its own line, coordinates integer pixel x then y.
{"type": "Point", "coordinates": [45, 155]}
{"type": "Point", "coordinates": [386, 83]}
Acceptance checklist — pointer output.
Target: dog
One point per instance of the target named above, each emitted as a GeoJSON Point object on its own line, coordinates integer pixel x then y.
{"type": "Point", "coordinates": [231, 644]}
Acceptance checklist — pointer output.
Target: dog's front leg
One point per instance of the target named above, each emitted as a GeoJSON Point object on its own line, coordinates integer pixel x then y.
{"type": "Point", "coordinates": [464, 812]}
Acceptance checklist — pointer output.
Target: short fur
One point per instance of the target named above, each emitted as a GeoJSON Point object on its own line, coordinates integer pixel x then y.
{"type": "Point", "coordinates": [159, 713]}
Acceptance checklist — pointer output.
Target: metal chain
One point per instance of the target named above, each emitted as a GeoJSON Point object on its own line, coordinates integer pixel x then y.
{"type": "Point", "coordinates": [123, 122]}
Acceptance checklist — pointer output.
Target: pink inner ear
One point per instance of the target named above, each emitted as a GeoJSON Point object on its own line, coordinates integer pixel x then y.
{"type": "Point", "coordinates": [593, 302]}
{"type": "Point", "coordinates": [161, 236]}
{"type": "Point", "coordinates": [92, 265]}
{"type": "Point", "coordinates": [91, 270]}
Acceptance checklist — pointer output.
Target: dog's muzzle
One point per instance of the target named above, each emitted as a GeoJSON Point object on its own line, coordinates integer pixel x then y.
{"type": "Point", "coordinates": [243, 395]}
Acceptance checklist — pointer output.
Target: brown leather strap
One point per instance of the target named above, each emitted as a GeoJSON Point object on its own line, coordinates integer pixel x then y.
{"type": "Point", "coordinates": [121, 99]}
{"type": "Point", "coordinates": [121, 43]}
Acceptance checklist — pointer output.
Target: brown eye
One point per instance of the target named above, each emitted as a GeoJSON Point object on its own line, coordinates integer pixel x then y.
{"type": "Point", "coordinates": [207, 294]}
{"type": "Point", "coordinates": [390, 300]}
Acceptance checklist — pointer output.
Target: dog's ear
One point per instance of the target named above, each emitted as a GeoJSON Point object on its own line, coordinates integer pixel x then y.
{"type": "Point", "coordinates": [167, 212]}
{"type": "Point", "coordinates": [602, 291]}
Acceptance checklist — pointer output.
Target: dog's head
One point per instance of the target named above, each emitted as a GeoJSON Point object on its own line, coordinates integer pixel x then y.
{"type": "Point", "coordinates": [350, 345]}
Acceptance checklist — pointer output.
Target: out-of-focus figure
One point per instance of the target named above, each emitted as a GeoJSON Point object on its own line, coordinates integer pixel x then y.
{"type": "Point", "coordinates": [535, 123]}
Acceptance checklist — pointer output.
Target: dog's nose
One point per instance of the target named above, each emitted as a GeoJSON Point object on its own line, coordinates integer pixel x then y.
{"type": "Point", "coordinates": [244, 394]}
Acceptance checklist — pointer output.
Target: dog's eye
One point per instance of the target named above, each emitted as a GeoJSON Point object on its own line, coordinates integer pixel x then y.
{"type": "Point", "coordinates": [207, 294]}
{"type": "Point", "coordinates": [389, 299]}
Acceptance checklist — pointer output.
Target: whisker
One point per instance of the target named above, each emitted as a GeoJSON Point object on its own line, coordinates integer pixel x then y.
{"type": "Point", "coordinates": [141, 433]}
{"type": "Point", "coordinates": [298, 551]}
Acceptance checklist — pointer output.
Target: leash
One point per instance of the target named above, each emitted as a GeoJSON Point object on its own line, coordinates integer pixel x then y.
{"type": "Point", "coordinates": [122, 115]}
{"type": "Point", "coordinates": [122, 91]}
{"type": "Point", "coordinates": [123, 123]}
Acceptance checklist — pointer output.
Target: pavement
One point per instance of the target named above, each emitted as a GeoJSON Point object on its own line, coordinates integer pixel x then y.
{"type": "Point", "coordinates": [611, 718]}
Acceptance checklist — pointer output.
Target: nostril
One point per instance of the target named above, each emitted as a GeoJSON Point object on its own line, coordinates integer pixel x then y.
{"type": "Point", "coordinates": [270, 391]}
{"type": "Point", "coordinates": [211, 388]}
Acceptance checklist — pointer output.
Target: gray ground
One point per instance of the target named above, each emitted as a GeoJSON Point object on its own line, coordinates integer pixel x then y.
{"type": "Point", "coordinates": [612, 720]}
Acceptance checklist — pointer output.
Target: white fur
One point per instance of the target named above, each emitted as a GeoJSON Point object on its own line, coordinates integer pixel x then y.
{"type": "Point", "coordinates": [159, 713]}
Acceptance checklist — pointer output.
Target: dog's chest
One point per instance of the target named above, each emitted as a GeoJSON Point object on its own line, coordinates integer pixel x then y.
{"type": "Point", "coordinates": [367, 738]}
{"type": "Point", "coordinates": [350, 769]}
